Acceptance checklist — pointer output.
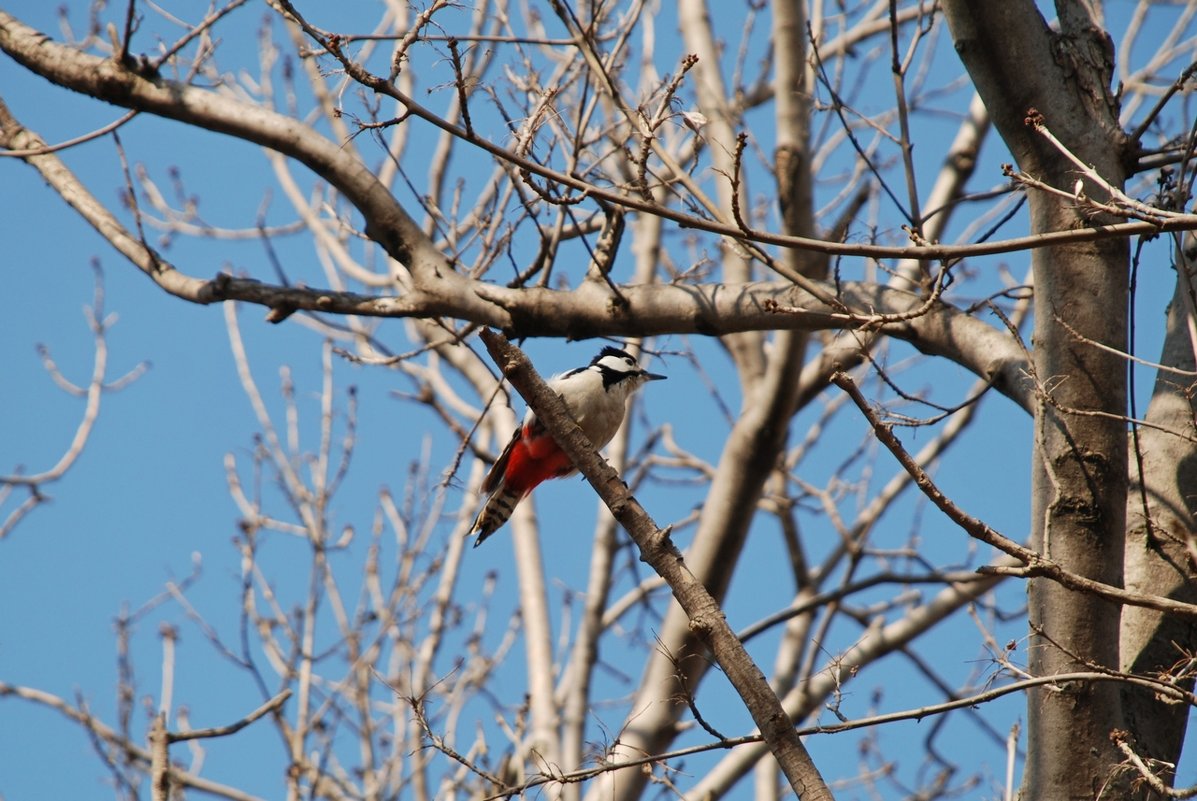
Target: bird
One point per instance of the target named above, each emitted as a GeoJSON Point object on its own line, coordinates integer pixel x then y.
{"type": "Point", "coordinates": [596, 396]}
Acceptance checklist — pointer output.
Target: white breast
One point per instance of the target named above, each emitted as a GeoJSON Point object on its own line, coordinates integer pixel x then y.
{"type": "Point", "coordinates": [598, 410]}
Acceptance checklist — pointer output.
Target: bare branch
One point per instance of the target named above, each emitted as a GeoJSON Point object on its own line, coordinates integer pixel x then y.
{"type": "Point", "coordinates": [1035, 563]}
{"type": "Point", "coordinates": [657, 549]}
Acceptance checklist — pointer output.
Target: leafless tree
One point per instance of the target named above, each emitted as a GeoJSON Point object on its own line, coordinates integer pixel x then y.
{"type": "Point", "coordinates": [706, 182]}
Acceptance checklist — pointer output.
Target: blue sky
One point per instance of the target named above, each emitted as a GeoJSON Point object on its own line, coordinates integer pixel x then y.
{"type": "Point", "coordinates": [148, 497]}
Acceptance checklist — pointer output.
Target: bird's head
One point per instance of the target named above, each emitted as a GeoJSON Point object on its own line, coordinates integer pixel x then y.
{"type": "Point", "coordinates": [618, 368]}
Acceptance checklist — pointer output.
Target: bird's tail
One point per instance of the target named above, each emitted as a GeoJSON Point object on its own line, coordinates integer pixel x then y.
{"type": "Point", "coordinates": [496, 511]}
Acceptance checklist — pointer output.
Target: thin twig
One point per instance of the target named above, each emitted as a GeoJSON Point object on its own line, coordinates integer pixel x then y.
{"type": "Point", "coordinates": [462, 91]}
{"type": "Point", "coordinates": [272, 705]}
{"type": "Point", "coordinates": [1035, 564]}
{"type": "Point", "coordinates": [1122, 741]}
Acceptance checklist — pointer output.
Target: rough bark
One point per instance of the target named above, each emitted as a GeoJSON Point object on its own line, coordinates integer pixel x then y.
{"type": "Point", "coordinates": [1021, 68]}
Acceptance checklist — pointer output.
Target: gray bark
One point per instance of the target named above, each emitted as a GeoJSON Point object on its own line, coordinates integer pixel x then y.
{"type": "Point", "coordinates": [1161, 533]}
{"type": "Point", "coordinates": [1080, 460]}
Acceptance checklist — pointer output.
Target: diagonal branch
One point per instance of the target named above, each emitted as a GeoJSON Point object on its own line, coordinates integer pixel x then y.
{"type": "Point", "coordinates": [658, 550]}
{"type": "Point", "coordinates": [1035, 563]}
{"type": "Point", "coordinates": [272, 705]}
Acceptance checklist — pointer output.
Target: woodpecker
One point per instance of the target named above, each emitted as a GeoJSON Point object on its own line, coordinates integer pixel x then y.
{"type": "Point", "coordinates": [596, 395]}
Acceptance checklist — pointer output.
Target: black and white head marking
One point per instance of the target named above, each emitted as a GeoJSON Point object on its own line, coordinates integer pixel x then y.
{"type": "Point", "coordinates": [615, 365]}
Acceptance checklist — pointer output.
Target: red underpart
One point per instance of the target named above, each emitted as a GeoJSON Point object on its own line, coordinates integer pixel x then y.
{"type": "Point", "coordinates": [534, 458]}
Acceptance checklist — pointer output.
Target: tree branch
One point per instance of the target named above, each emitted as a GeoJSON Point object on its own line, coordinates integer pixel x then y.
{"type": "Point", "coordinates": [658, 550]}
{"type": "Point", "coordinates": [1035, 563]}
{"type": "Point", "coordinates": [387, 222]}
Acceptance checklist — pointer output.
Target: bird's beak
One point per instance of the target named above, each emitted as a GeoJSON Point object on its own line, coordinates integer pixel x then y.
{"type": "Point", "coordinates": [652, 376]}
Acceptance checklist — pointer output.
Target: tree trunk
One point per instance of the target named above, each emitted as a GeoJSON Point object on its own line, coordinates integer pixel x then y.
{"type": "Point", "coordinates": [1161, 525]}
{"type": "Point", "coordinates": [1023, 71]}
